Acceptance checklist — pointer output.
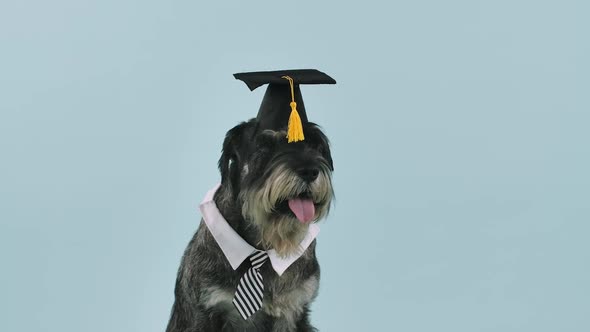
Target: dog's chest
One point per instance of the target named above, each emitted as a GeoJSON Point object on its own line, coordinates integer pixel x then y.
{"type": "Point", "coordinates": [284, 297]}
{"type": "Point", "coordinates": [289, 295]}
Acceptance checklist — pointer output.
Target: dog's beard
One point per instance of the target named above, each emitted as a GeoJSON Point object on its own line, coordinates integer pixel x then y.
{"type": "Point", "coordinates": [281, 230]}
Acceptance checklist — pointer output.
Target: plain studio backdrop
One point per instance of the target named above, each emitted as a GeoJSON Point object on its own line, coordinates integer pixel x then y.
{"type": "Point", "coordinates": [460, 134]}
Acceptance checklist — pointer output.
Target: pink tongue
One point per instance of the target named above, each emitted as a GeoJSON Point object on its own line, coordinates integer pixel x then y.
{"type": "Point", "coordinates": [303, 208]}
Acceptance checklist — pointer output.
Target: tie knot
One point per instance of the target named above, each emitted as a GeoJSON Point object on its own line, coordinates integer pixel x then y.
{"type": "Point", "coordinates": [258, 259]}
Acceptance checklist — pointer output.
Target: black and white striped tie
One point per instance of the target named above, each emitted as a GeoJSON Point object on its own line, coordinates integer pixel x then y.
{"type": "Point", "coordinates": [248, 297]}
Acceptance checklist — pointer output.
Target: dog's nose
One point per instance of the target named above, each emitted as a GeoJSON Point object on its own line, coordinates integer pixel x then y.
{"type": "Point", "coordinates": [308, 173]}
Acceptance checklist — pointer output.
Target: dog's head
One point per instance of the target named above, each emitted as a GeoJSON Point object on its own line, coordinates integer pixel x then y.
{"type": "Point", "coordinates": [279, 187]}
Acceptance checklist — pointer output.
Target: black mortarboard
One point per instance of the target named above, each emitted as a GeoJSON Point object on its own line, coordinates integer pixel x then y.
{"type": "Point", "coordinates": [282, 103]}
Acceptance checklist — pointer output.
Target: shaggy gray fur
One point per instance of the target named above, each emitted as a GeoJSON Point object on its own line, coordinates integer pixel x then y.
{"type": "Point", "coordinates": [253, 163]}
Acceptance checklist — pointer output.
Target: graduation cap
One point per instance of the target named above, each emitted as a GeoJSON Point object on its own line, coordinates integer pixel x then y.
{"type": "Point", "coordinates": [282, 103]}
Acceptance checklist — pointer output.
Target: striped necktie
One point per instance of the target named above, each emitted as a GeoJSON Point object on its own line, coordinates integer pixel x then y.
{"type": "Point", "coordinates": [248, 297]}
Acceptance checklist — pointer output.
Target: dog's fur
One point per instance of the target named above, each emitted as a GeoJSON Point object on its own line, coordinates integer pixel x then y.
{"type": "Point", "coordinates": [260, 171]}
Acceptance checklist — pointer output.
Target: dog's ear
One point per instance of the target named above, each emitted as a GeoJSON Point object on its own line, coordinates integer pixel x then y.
{"type": "Point", "coordinates": [234, 146]}
{"type": "Point", "coordinates": [328, 154]}
{"type": "Point", "coordinates": [317, 135]}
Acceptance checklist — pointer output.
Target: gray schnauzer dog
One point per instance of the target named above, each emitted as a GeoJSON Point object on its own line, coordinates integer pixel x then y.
{"type": "Point", "coordinates": [271, 195]}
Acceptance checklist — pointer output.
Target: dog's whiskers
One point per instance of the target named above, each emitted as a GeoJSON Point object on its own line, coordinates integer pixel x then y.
{"type": "Point", "coordinates": [278, 230]}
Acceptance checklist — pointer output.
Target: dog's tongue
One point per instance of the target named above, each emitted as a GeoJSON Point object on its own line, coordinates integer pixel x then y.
{"type": "Point", "coordinates": [303, 208]}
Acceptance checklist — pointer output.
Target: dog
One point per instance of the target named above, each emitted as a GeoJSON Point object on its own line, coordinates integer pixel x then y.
{"type": "Point", "coordinates": [262, 177]}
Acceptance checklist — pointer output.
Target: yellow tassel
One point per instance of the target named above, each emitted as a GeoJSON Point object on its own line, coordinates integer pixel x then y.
{"type": "Point", "coordinates": [295, 128]}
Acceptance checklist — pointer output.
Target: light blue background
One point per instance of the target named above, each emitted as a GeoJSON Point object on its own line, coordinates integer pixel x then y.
{"type": "Point", "coordinates": [460, 137]}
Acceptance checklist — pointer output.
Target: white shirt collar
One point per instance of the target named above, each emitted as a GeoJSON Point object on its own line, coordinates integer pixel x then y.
{"type": "Point", "coordinates": [235, 248]}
